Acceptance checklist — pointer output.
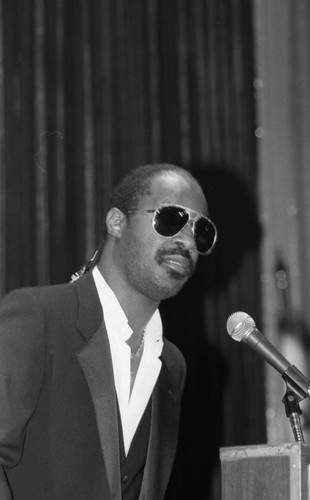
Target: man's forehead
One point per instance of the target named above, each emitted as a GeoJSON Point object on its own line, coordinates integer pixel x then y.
{"type": "Point", "coordinates": [174, 188]}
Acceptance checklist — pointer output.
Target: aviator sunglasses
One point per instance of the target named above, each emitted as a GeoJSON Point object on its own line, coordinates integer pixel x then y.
{"type": "Point", "coordinates": [170, 220]}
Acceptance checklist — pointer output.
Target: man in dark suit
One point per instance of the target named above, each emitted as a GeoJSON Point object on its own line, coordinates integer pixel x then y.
{"type": "Point", "coordinates": [89, 387]}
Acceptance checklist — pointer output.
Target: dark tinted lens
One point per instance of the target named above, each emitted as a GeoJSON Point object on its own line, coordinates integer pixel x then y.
{"type": "Point", "coordinates": [204, 235]}
{"type": "Point", "coordinates": [170, 220]}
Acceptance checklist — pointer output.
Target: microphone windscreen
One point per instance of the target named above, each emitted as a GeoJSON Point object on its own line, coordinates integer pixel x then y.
{"type": "Point", "coordinates": [239, 325]}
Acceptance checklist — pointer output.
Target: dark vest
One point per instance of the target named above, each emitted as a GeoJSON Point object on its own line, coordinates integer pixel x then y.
{"type": "Point", "coordinates": [132, 466]}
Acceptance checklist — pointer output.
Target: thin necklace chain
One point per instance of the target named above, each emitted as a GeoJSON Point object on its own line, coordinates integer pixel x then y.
{"type": "Point", "coordinates": [138, 351]}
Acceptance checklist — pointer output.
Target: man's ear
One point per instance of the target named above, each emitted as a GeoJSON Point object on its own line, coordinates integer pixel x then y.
{"type": "Point", "coordinates": [115, 222]}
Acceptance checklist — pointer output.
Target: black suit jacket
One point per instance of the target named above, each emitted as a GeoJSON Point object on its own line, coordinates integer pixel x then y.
{"type": "Point", "coordinates": [58, 409]}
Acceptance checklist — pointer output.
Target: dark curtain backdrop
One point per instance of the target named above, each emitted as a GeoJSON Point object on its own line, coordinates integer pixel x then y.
{"type": "Point", "coordinates": [91, 88]}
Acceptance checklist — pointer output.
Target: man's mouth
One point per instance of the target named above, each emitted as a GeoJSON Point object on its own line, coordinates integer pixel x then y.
{"type": "Point", "coordinates": [179, 262]}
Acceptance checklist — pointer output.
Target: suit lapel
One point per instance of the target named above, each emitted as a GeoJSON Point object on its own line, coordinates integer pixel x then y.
{"type": "Point", "coordinates": [163, 436]}
{"type": "Point", "coordinates": [96, 363]}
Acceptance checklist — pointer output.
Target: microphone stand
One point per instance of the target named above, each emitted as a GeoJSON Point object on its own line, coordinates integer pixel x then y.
{"type": "Point", "coordinates": [291, 401]}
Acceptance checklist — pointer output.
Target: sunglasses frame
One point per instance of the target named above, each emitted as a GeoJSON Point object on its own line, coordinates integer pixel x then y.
{"type": "Point", "coordinates": [189, 212]}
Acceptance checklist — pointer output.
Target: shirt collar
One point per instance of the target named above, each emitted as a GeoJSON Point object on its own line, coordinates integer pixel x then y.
{"type": "Point", "coordinates": [116, 320]}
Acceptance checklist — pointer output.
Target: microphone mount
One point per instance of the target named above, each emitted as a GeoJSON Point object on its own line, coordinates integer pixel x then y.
{"type": "Point", "coordinates": [293, 412]}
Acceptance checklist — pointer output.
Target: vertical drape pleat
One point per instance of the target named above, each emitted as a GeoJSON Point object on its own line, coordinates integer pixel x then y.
{"type": "Point", "coordinates": [88, 166]}
{"type": "Point", "coordinates": [2, 170]}
{"type": "Point", "coordinates": [153, 130]}
{"type": "Point", "coordinates": [40, 151]}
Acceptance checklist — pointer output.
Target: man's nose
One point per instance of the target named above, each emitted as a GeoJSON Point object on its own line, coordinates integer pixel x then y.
{"type": "Point", "coordinates": [186, 237]}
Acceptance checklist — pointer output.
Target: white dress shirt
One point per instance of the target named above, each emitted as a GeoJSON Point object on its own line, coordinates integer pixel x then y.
{"type": "Point", "coordinates": [131, 406]}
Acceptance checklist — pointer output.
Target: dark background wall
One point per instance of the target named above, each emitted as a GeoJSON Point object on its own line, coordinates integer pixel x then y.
{"type": "Point", "coordinates": [91, 88]}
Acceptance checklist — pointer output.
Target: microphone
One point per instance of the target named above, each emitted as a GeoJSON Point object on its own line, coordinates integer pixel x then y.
{"type": "Point", "coordinates": [241, 327]}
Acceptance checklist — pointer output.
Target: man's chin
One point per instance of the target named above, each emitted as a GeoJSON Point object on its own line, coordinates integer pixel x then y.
{"type": "Point", "coordinates": [173, 285]}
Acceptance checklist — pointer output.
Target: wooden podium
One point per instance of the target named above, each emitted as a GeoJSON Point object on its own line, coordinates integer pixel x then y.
{"type": "Point", "coordinates": [275, 472]}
